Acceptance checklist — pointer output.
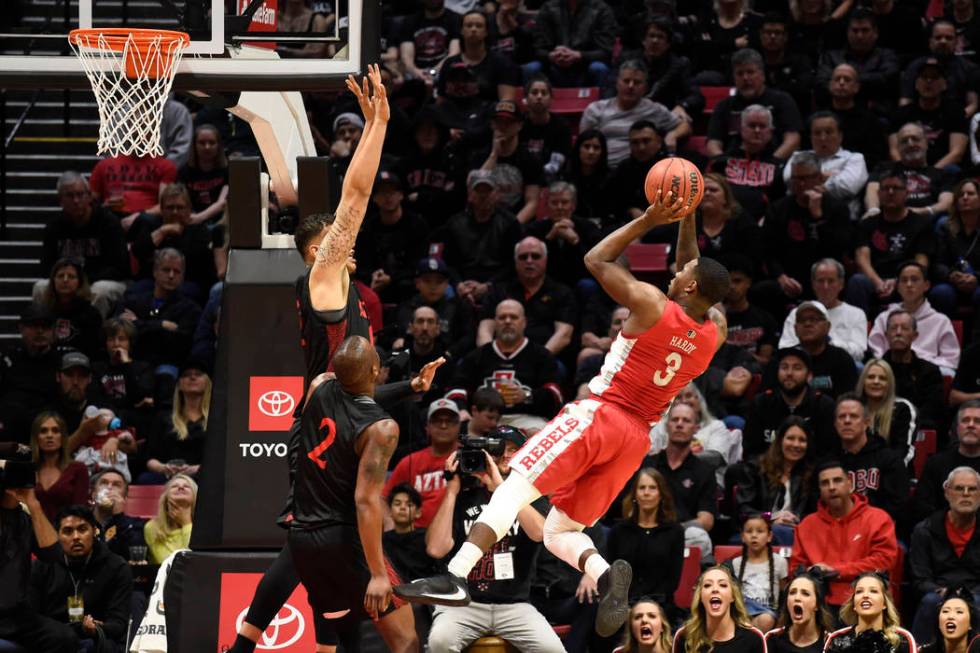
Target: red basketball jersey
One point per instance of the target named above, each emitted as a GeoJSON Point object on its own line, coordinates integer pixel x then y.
{"type": "Point", "coordinates": [642, 374]}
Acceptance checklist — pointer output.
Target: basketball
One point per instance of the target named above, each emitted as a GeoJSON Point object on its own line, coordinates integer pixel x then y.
{"type": "Point", "coordinates": [679, 176]}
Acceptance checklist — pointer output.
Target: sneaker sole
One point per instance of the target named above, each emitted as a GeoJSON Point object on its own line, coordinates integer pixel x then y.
{"type": "Point", "coordinates": [614, 606]}
{"type": "Point", "coordinates": [413, 596]}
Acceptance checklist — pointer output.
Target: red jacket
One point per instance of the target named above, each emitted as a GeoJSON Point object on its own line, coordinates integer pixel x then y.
{"type": "Point", "coordinates": [861, 540]}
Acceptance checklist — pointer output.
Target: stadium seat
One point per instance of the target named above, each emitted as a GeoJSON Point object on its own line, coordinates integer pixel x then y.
{"type": "Point", "coordinates": [697, 143]}
{"type": "Point", "coordinates": [647, 257]}
{"type": "Point", "coordinates": [958, 330]}
{"type": "Point", "coordinates": [724, 552]}
{"type": "Point", "coordinates": [934, 9]}
{"type": "Point", "coordinates": [684, 593]}
{"type": "Point", "coordinates": [754, 386]}
{"type": "Point", "coordinates": [490, 645]}
{"type": "Point", "coordinates": [143, 500]}
{"type": "Point", "coordinates": [713, 95]}
{"type": "Point", "coordinates": [567, 100]}
{"type": "Point", "coordinates": [562, 631]}
{"type": "Point", "coordinates": [925, 446]}
{"type": "Point", "coordinates": [896, 574]}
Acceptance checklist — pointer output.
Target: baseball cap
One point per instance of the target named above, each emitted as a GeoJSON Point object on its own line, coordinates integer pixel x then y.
{"type": "Point", "coordinates": [348, 118]}
{"type": "Point", "coordinates": [442, 404]}
{"type": "Point", "coordinates": [510, 433]}
{"type": "Point", "coordinates": [506, 109]}
{"type": "Point", "coordinates": [932, 63]}
{"type": "Point", "coordinates": [477, 177]}
{"type": "Point", "coordinates": [432, 264]}
{"type": "Point", "coordinates": [75, 359]}
{"type": "Point", "coordinates": [36, 313]}
{"type": "Point", "coordinates": [813, 305]}
{"type": "Point", "coordinates": [388, 177]}
{"type": "Point", "coordinates": [798, 352]}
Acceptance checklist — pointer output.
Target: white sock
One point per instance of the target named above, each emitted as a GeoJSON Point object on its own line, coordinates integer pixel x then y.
{"type": "Point", "coordinates": [465, 559]}
{"type": "Point", "coordinates": [595, 566]}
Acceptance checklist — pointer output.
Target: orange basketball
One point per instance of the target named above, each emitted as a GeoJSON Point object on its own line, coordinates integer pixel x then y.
{"type": "Point", "coordinates": [679, 176]}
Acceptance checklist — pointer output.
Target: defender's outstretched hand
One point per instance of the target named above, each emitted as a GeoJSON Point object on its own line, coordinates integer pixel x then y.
{"type": "Point", "coordinates": [362, 92]}
{"type": "Point", "coordinates": [664, 210]}
{"type": "Point", "coordinates": [423, 381]}
{"type": "Point", "coordinates": [379, 99]}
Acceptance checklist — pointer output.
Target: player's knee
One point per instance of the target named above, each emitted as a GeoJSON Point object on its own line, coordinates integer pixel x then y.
{"type": "Point", "coordinates": [443, 637]}
{"type": "Point", "coordinates": [557, 523]}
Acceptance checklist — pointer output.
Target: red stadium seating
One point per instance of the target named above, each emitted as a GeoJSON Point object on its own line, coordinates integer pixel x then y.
{"type": "Point", "coordinates": [648, 261]}
{"type": "Point", "coordinates": [143, 500]}
{"type": "Point", "coordinates": [568, 100]}
{"type": "Point", "coordinates": [724, 552]}
{"type": "Point", "coordinates": [958, 330]}
{"type": "Point", "coordinates": [697, 144]}
{"type": "Point", "coordinates": [713, 95]}
{"type": "Point", "coordinates": [689, 575]}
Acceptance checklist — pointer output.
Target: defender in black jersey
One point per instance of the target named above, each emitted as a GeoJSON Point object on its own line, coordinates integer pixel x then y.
{"type": "Point", "coordinates": [346, 441]}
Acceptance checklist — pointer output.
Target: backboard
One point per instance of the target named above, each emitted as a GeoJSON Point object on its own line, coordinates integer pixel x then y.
{"type": "Point", "coordinates": [236, 45]}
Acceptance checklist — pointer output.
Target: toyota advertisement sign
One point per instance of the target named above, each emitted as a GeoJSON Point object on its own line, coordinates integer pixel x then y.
{"type": "Point", "coordinates": [291, 630]}
{"type": "Point", "coordinates": [272, 400]}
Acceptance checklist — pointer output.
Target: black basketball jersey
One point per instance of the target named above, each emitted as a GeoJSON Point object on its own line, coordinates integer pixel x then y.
{"type": "Point", "coordinates": [326, 468]}
{"type": "Point", "coordinates": [321, 332]}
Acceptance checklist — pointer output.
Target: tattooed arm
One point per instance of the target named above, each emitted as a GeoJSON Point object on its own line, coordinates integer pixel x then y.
{"type": "Point", "coordinates": [329, 278]}
{"type": "Point", "coordinates": [378, 443]}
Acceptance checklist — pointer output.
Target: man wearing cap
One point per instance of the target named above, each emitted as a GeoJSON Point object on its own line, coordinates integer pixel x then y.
{"type": "Point", "coordinates": [958, 69]}
{"type": "Point", "coordinates": [423, 469]}
{"type": "Point", "coordinates": [391, 242]}
{"type": "Point", "coordinates": [518, 173]}
{"type": "Point", "coordinates": [500, 583]}
{"type": "Point", "coordinates": [792, 395]}
{"type": "Point", "coordinates": [457, 323]}
{"type": "Point", "coordinates": [832, 369]}
{"type": "Point", "coordinates": [73, 394]}
{"type": "Point", "coordinates": [942, 118]}
{"type": "Point", "coordinates": [614, 116]}
{"type": "Point", "coordinates": [27, 372]}
{"type": "Point", "coordinates": [478, 242]}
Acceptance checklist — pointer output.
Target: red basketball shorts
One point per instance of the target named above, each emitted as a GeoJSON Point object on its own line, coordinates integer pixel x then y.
{"type": "Point", "coordinates": [583, 457]}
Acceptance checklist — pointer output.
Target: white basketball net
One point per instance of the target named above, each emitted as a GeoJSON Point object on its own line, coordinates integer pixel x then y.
{"type": "Point", "coordinates": [131, 84]}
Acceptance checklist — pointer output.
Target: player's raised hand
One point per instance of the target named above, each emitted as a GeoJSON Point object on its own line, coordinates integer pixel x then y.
{"type": "Point", "coordinates": [423, 381]}
{"type": "Point", "coordinates": [378, 596]}
{"type": "Point", "coordinates": [379, 99]}
{"type": "Point", "coordinates": [664, 209]}
{"type": "Point", "coordinates": [362, 92]}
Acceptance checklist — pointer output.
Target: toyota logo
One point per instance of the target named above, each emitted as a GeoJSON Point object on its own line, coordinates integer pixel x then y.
{"type": "Point", "coordinates": [276, 403]}
{"type": "Point", "coordinates": [270, 642]}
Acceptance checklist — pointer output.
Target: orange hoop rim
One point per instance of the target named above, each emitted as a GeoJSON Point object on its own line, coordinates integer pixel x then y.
{"type": "Point", "coordinates": [115, 38]}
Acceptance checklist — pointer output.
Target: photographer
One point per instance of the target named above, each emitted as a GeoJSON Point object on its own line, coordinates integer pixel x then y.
{"type": "Point", "coordinates": [500, 583]}
{"type": "Point", "coordinates": [24, 529]}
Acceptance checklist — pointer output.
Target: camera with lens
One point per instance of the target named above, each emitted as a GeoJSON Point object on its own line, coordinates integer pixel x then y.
{"type": "Point", "coordinates": [16, 466]}
{"type": "Point", "coordinates": [471, 457]}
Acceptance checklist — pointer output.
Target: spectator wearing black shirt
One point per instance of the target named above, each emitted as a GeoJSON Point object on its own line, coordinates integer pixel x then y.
{"type": "Point", "coordinates": [863, 131]}
{"type": "Point", "coordinates": [941, 117]}
{"type": "Point", "coordinates": [478, 243]}
{"type": "Point", "coordinates": [690, 479]}
{"type": "Point", "coordinates": [965, 18]}
{"type": "Point", "coordinates": [567, 236]}
{"type": "Point", "coordinates": [457, 322]}
{"type": "Point", "coordinates": [957, 255]}
{"type": "Point", "coordinates": [391, 241]}
{"type": "Point", "coordinates": [517, 171]}
{"type": "Point", "coordinates": [77, 323]}
{"type": "Point", "coordinates": [748, 69]}
{"type": "Point", "coordinates": [588, 170]}
{"type": "Point", "coordinates": [573, 43]}
{"type": "Point", "coordinates": [899, 26]}
{"type": "Point", "coordinates": [205, 175]}
{"type": "Point", "coordinates": [544, 135]}
{"type": "Point", "coordinates": [965, 452]}
{"type": "Point", "coordinates": [116, 530]}
{"type": "Point", "coordinates": [422, 345]}
{"type": "Point", "coordinates": [523, 372]}
{"type": "Point", "coordinates": [886, 240]}
{"type": "Point", "coordinates": [512, 32]}
{"type": "Point", "coordinates": [89, 234]}
{"type": "Point", "coordinates": [917, 380]}
{"type": "Point", "coordinates": [755, 175]}
{"type": "Point", "coordinates": [462, 109]}
{"type": "Point", "coordinates": [90, 571]}
{"type": "Point", "coordinates": [496, 76]}
{"type": "Point", "coordinates": [718, 600]}
{"type": "Point", "coordinates": [722, 31]}
{"type": "Point", "coordinates": [749, 326]}
{"type": "Point", "coordinates": [599, 329]}
{"type": "Point", "coordinates": [74, 392]}
{"type": "Point", "coordinates": [176, 445]}
{"type": "Point", "coordinates": [427, 39]}
{"type": "Point", "coordinates": [789, 71]}
{"type": "Point", "coordinates": [549, 305]}
{"type": "Point", "coordinates": [404, 545]}
{"type": "Point", "coordinates": [164, 319]}
{"type": "Point", "coordinates": [126, 383]}
{"type": "Point", "coordinates": [877, 471]}
{"type": "Point", "coordinates": [799, 230]}
{"type": "Point", "coordinates": [832, 368]}
{"type": "Point", "coordinates": [427, 170]}
{"type": "Point", "coordinates": [792, 396]}
{"type": "Point", "coordinates": [500, 584]}
{"type": "Point", "coordinates": [966, 383]}
{"type": "Point", "coordinates": [877, 66]}
{"type": "Point", "coordinates": [626, 183]}
{"type": "Point", "coordinates": [929, 188]}
{"type": "Point", "coordinates": [958, 70]}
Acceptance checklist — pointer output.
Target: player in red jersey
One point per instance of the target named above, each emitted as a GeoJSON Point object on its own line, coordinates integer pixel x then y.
{"type": "Point", "coordinates": [585, 455]}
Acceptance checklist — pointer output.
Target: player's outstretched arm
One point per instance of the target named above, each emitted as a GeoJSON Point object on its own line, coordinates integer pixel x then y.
{"type": "Point", "coordinates": [687, 241]}
{"type": "Point", "coordinates": [328, 278]}
{"type": "Point", "coordinates": [377, 443]}
{"type": "Point", "coordinates": [644, 300]}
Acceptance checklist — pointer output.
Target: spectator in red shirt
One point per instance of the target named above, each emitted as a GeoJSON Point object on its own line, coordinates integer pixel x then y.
{"type": "Point", "coordinates": [423, 469]}
{"type": "Point", "coordinates": [61, 482]}
{"type": "Point", "coordinates": [130, 185]}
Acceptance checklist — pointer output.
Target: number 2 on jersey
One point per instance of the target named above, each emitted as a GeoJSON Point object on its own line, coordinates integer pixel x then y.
{"type": "Point", "coordinates": [663, 377]}
{"type": "Point", "coordinates": [325, 443]}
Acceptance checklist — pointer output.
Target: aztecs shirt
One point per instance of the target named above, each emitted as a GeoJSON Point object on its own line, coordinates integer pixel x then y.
{"type": "Point", "coordinates": [891, 243]}
{"type": "Point", "coordinates": [134, 178]}
{"type": "Point", "coordinates": [431, 36]}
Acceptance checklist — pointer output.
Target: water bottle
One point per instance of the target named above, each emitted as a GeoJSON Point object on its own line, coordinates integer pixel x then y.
{"type": "Point", "coordinates": [92, 411]}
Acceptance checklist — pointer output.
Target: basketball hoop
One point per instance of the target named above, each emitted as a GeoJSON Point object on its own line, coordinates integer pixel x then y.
{"type": "Point", "coordinates": [131, 72]}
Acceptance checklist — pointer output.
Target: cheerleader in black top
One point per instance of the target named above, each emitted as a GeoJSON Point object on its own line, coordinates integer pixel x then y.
{"type": "Point", "coordinates": [647, 629]}
{"type": "Point", "coordinates": [803, 619]}
{"type": "Point", "coordinates": [955, 627]}
{"type": "Point", "coordinates": [872, 621]}
{"type": "Point", "coordinates": [718, 621]}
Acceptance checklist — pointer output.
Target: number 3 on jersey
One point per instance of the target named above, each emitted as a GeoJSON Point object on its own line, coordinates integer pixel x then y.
{"type": "Point", "coordinates": [673, 362]}
{"type": "Point", "coordinates": [330, 427]}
